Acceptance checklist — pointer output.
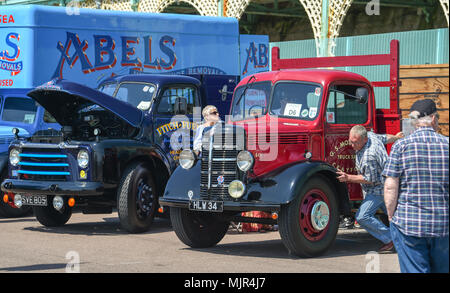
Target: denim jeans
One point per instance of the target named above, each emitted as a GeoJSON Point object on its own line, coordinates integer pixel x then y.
{"type": "Point", "coordinates": [420, 254]}
{"type": "Point", "coordinates": [366, 218]}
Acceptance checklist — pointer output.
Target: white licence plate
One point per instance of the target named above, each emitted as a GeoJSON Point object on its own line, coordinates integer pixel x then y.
{"type": "Point", "coordinates": [34, 200]}
{"type": "Point", "coordinates": [206, 205]}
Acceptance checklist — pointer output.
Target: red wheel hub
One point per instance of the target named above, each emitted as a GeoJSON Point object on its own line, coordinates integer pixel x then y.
{"type": "Point", "coordinates": [314, 215]}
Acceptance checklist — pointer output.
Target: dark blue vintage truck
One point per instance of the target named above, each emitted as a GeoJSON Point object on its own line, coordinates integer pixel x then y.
{"type": "Point", "coordinates": [116, 148]}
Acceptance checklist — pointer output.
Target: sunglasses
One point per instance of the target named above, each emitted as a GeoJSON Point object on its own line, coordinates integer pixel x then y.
{"type": "Point", "coordinates": [214, 113]}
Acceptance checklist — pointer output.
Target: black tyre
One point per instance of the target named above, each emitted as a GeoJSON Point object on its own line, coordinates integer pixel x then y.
{"type": "Point", "coordinates": [198, 230]}
{"type": "Point", "coordinates": [308, 225]}
{"type": "Point", "coordinates": [50, 217]}
{"type": "Point", "coordinates": [137, 199]}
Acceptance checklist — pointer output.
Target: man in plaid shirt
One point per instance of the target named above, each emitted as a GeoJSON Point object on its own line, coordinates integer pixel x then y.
{"type": "Point", "coordinates": [416, 194]}
{"type": "Point", "coordinates": [371, 157]}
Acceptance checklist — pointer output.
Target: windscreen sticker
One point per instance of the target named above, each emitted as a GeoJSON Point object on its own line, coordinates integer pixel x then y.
{"type": "Point", "coordinates": [292, 110]}
{"type": "Point", "coordinates": [318, 91]}
{"type": "Point", "coordinates": [330, 117]}
{"type": "Point", "coordinates": [144, 105]}
{"type": "Point", "coordinates": [29, 118]}
{"type": "Point", "coordinates": [305, 112]}
{"type": "Point", "coordinates": [312, 112]}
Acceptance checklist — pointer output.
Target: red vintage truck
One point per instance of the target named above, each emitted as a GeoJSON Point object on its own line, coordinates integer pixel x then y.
{"type": "Point", "coordinates": [284, 138]}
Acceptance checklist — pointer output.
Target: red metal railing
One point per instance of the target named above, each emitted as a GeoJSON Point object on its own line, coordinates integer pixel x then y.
{"type": "Point", "coordinates": [388, 120]}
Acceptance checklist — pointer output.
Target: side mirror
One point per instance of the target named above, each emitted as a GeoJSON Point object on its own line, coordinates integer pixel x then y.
{"type": "Point", "coordinates": [362, 94]}
{"type": "Point", "coordinates": [224, 92]}
{"type": "Point", "coordinates": [180, 106]}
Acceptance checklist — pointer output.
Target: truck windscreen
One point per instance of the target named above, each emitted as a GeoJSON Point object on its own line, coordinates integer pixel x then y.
{"type": "Point", "coordinates": [137, 94]}
{"type": "Point", "coordinates": [253, 102]}
{"type": "Point", "coordinates": [296, 100]}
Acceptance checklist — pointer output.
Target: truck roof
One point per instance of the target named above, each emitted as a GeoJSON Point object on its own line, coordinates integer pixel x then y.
{"type": "Point", "coordinates": [322, 76]}
{"type": "Point", "coordinates": [160, 79]}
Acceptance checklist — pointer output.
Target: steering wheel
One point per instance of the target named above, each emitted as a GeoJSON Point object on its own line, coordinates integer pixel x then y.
{"type": "Point", "coordinates": [251, 108]}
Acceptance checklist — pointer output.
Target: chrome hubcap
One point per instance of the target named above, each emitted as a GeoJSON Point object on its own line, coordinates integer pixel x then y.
{"type": "Point", "coordinates": [320, 215]}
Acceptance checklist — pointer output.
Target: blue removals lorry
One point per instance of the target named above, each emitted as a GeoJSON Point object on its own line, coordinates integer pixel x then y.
{"type": "Point", "coordinates": [127, 89]}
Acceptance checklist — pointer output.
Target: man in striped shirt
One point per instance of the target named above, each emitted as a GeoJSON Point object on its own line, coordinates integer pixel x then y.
{"type": "Point", "coordinates": [416, 194]}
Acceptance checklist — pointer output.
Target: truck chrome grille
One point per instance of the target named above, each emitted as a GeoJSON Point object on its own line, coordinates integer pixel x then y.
{"type": "Point", "coordinates": [43, 164]}
{"type": "Point", "coordinates": [218, 162]}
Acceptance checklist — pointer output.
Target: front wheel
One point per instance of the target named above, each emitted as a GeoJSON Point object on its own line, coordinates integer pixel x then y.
{"type": "Point", "coordinates": [198, 230]}
{"type": "Point", "coordinates": [308, 225]}
{"type": "Point", "coordinates": [50, 217]}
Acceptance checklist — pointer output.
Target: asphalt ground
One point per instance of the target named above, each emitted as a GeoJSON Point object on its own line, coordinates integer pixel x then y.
{"type": "Point", "coordinates": [97, 244]}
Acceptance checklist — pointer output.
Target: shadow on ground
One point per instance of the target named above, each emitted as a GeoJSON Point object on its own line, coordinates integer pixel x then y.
{"type": "Point", "coordinates": [38, 267]}
{"type": "Point", "coordinates": [109, 227]}
{"type": "Point", "coordinates": [351, 244]}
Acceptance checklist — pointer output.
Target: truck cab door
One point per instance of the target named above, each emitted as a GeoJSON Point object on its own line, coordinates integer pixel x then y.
{"type": "Point", "coordinates": [174, 118]}
{"type": "Point", "coordinates": [341, 114]}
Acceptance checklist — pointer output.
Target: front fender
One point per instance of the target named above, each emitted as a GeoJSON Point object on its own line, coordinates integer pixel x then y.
{"type": "Point", "coordinates": [182, 181]}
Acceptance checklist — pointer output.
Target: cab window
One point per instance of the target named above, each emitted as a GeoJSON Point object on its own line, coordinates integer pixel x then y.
{"type": "Point", "coordinates": [19, 110]}
{"type": "Point", "coordinates": [175, 94]}
{"type": "Point", "coordinates": [343, 108]}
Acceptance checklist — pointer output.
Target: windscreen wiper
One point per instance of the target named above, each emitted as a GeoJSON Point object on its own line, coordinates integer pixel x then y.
{"type": "Point", "coordinates": [245, 89]}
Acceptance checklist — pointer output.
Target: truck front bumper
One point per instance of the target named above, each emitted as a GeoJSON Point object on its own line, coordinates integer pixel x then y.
{"type": "Point", "coordinates": [238, 206]}
{"type": "Point", "coordinates": [52, 187]}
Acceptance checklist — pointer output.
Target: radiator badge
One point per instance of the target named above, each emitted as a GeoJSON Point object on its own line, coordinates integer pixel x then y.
{"type": "Point", "coordinates": [220, 180]}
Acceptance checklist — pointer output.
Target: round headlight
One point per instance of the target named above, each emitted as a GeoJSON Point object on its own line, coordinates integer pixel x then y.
{"type": "Point", "coordinates": [58, 203]}
{"type": "Point", "coordinates": [18, 201]}
{"type": "Point", "coordinates": [236, 189]}
{"type": "Point", "coordinates": [245, 161]}
{"type": "Point", "coordinates": [187, 159]}
{"type": "Point", "coordinates": [83, 159]}
{"type": "Point", "coordinates": [14, 157]}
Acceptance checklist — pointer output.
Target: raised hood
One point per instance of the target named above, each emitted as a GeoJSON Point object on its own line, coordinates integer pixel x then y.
{"type": "Point", "coordinates": [62, 98]}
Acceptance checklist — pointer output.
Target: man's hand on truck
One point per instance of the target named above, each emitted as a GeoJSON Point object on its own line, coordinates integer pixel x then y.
{"type": "Point", "coordinates": [344, 177]}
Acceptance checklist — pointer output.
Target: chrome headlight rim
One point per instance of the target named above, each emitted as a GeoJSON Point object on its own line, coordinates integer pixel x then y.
{"type": "Point", "coordinates": [240, 186]}
{"type": "Point", "coordinates": [247, 158]}
{"type": "Point", "coordinates": [14, 157]}
{"type": "Point", "coordinates": [83, 159]}
{"type": "Point", "coordinates": [187, 159]}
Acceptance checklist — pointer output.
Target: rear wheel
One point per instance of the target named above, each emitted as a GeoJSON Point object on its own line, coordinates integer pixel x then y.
{"type": "Point", "coordinates": [50, 217]}
{"type": "Point", "coordinates": [198, 230]}
{"type": "Point", "coordinates": [308, 225]}
{"type": "Point", "coordinates": [137, 199]}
